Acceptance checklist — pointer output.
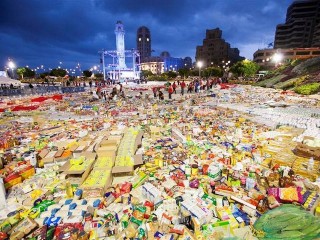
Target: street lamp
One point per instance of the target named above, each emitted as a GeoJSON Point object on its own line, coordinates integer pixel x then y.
{"type": "Point", "coordinates": [277, 58]}
{"type": "Point", "coordinates": [11, 65]}
{"type": "Point", "coordinates": [199, 65]}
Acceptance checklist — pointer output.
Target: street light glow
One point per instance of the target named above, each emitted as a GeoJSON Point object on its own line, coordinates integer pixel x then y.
{"type": "Point", "coordinates": [11, 64]}
{"type": "Point", "coordinates": [199, 63]}
{"type": "Point", "coordinates": [277, 57]}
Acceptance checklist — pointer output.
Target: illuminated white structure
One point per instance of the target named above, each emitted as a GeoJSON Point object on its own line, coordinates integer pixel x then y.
{"type": "Point", "coordinates": [120, 45]}
{"type": "Point", "coordinates": [118, 70]}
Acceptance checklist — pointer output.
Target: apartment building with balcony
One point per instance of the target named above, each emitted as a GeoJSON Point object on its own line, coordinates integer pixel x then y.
{"type": "Point", "coordinates": [302, 26]}
{"type": "Point", "coordinates": [270, 57]}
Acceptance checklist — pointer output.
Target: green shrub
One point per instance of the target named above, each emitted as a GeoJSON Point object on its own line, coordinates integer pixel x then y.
{"type": "Point", "coordinates": [158, 78]}
{"type": "Point", "coordinates": [308, 89]}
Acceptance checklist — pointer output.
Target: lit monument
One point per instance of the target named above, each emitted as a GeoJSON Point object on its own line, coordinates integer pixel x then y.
{"type": "Point", "coordinates": [120, 45]}
{"type": "Point", "coordinates": [118, 70]}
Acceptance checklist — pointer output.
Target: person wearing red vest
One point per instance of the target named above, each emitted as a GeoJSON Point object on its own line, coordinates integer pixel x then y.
{"type": "Point", "coordinates": [174, 86]}
{"type": "Point", "coordinates": [183, 85]}
{"type": "Point", "coordinates": [170, 91]}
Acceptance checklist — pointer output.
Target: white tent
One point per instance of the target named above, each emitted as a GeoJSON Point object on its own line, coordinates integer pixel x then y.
{"type": "Point", "coordinates": [8, 81]}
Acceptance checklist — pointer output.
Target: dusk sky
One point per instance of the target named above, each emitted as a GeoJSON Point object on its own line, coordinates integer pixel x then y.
{"type": "Point", "coordinates": [46, 32]}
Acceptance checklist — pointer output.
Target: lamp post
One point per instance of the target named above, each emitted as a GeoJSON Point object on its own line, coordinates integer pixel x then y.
{"type": "Point", "coordinates": [199, 65]}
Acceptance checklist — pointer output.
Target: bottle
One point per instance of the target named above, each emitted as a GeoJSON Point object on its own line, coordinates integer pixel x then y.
{"type": "Point", "coordinates": [187, 170]}
{"type": "Point", "coordinates": [310, 164]}
{"type": "Point", "coordinates": [69, 190]}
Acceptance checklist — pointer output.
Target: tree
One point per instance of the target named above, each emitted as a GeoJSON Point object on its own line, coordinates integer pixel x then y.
{"type": "Point", "coordinates": [194, 72]}
{"type": "Point", "coordinates": [58, 72]}
{"type": "Point", "coordinates": [213, 72]}
{"type": "Point", "coordinates": [29, 73]}
{"type": "Point", "coordinates": [21, 71]}
{"type": "Point", "coordinates": [87, 73]}
{"type": "Point", "coordinates": [185, 72]}
{"type": "Point", "coordinates": [172, 74]}
{"type": "Point", "coordinates": [43, 75]}
{"type": "Point", "coordinates": [244, 68]}
{"type": "Point", "coordinates": [145, 73]}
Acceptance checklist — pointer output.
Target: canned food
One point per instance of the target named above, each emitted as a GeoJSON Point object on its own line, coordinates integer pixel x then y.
{"type": "Point", "coordinates": [14, 217]}
{"type": "Point", "coordinates": [194, 169]}
{"type": "Point", "coordinates": [87, 217]}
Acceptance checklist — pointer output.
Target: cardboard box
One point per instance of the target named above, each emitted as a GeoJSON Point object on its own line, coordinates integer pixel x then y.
{"type": "Point", "coordinates": [65, 155]}
{"type": "Point", "coordinates": [116, 138]}
{"type": "Point", "coordinates": [97, 183]}
{"type": "Point", "coordinates": [303, 150]}
{"type": "Point", "coordinates": [118, 171]}
{"type": "Point", "coordinates": [43, 153]}
{"type": "Point", "coordinates": [73, 148]}
{"type": "Point", "coordinates": [107, 145]}
{"type": "Point", "coordinates": [49, 158]}
{"type": "Point", "coordinates": [106, 142]}
{"type": "Point", "coordinates": [105, 159]}
{"type": "Point", "coordinates": [63, 144]}
{"type": "Point", "coordinates": [25, 227]}
{"type": "Point", "coordinates": [87, 155]}
{"type": "Point", "coordinates": [77, 176]}
{"type": "Point", "coordinates": [59, 153]}
{"type": "Point", "coordinates": [138, 142]}
{"type": "Point", "coordinates": [106, 148]}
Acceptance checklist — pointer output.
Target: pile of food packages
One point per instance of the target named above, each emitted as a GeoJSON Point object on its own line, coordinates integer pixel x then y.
{"type": "Point", "coordinates": [234, 163]}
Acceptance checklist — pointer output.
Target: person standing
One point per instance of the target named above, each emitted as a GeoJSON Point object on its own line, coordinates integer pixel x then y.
{"type": "Point", "coordinates": [161, 97]}
{"type": "Point", "coordinates": [154, 90]}
{"type": "Point", "coordinates": [208, 84]}
{"type": "Point", "coordinates": [196, 86]}
{"type": "Point", "coordinates": [174, 86]}
{"type": "Point", "coordinates": [170, 91]}
{"type": "Point", "coordinates": [190, 88]}
{"type": "Point", "coordinates": [182, 85]}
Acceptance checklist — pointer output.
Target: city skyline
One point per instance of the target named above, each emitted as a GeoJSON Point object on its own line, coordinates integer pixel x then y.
{"type": "Point", "coordinates": [36, 33]}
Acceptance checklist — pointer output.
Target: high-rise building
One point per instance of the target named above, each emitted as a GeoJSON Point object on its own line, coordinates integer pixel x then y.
{"type": "Point", "coordinates": [144, 42]}
{"type": "Point", "coordinates": [302, 27]}
{"type": "Point", "coordinates": [216, 50]}
{"type": "Point", "coordinates": [187, 62]}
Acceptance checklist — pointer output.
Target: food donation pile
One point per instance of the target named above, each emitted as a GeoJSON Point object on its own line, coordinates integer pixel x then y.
{"type": "Point", "coordinates": [139, 168]}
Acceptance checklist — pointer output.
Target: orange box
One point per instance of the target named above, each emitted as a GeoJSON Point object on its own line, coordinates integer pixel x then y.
{"type": "Point", "coordinates": [28, 173]}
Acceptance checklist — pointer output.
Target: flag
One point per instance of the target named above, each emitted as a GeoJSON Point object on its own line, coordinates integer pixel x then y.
{"type": "Point", "coordinates": [270, 45]}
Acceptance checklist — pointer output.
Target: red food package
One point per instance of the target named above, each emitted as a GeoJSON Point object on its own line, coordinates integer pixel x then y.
{"type": "Point", "coordinates": [39, 234]}
{"type": "Point", "coordinates": [178, 229]}
{"type": "Point", "coordinates": [125, 188]}
{"type": "Point", "coordinates": [274, 192]}
{"type": "Point", "coordinates": [149, 204]}
{"type": "Point", "coordinates": [67, 227]}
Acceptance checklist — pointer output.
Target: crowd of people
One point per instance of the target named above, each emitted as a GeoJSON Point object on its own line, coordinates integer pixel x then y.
{"type": "Point", "coordinates": [180, 87]}
{"type": "Point", "coordinates": [195, 86]}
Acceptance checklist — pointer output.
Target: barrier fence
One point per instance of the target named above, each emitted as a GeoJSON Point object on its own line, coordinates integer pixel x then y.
{"type": "Point", "coordinates": [40, 90]}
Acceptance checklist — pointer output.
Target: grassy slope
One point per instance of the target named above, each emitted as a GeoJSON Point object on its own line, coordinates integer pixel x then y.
{"type": "Point", "coordinates": [289, 77]}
